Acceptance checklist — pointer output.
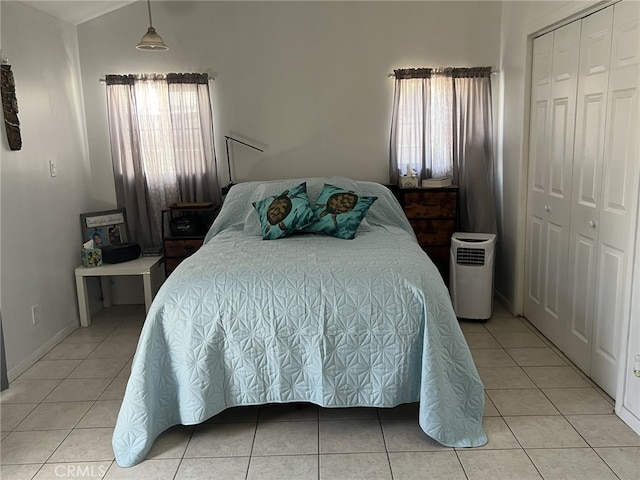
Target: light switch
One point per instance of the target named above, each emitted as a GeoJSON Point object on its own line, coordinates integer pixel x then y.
{"type": "Point", "coordinates": [52, 168]}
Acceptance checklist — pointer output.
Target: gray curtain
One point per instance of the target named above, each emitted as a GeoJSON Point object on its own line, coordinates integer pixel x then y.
{"type": "Point", "coordinates": [393, 152]}
{"type": "Point", "coordinates": [473, 152]}
{"type": "Point", "coordinates": [196, 173]}
{"type": "Point", "coordinates": [162, 147]}
{"type": "Point", "coordinates": [128, 170]}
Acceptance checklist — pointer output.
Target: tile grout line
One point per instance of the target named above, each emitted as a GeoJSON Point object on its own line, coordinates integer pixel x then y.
{"type": "Point", "coordinates": [384, 441]}
{"type": "Point", "coordinates": [318, 456]}
{"type": "Point", "coordinates": [253, 442]}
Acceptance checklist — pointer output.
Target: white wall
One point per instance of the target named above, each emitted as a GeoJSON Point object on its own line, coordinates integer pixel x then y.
{"type": "Point", "coordinates": [40, 234]}
{"type": "Point", "coordinates": [306, 80]}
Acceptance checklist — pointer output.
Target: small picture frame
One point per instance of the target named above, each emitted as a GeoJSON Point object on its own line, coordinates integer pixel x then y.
{"type": "Point", "coordinates": [108, 227]}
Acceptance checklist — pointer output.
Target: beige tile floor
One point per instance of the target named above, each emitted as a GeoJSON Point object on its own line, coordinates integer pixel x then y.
{"type": "Point", "coordinates": [544, 419]}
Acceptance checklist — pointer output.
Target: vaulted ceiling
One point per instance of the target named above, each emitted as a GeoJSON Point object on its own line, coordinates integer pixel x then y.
{"type": "Point", "coordinates": [77, 11]}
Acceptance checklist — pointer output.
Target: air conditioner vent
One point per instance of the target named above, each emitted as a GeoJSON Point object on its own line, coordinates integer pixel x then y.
{"type": "Point", "coordinates": [470, 256]}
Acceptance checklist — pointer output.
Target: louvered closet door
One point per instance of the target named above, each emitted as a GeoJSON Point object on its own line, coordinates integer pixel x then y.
{"type": "Point", "coordinates": [620, 184]}
{"type": "Point", "coordinates": [595, 48]}
{"type": "Point", "coordinates": [552, 123]}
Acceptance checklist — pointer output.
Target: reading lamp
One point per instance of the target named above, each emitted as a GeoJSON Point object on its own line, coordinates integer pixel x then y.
{"type": "Point", "coordinates": [151, 41]}
{"type": "Point", "coordinates": [228, 160]}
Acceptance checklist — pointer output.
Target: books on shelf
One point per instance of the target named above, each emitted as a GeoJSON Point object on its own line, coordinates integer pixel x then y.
{"type": "Point", "coordinates": [190, 205]}
{"type": "Point", "coordinates": [436, 182]}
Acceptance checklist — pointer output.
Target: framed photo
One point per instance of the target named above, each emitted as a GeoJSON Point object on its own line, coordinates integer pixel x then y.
{"type": "Point", "coordinates": [105, 228]}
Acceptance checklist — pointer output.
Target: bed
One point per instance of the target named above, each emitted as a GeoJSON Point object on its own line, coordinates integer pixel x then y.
{"type": "Point", "coordinates": [305, 318]}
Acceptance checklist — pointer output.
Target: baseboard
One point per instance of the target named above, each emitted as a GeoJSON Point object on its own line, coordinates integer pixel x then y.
{"type": "Point", "coordinates": [22, 367]}
{"type": "Point", "coordinates": [629, 418]}
{"type": "Point", "coordinates": [504, 302]}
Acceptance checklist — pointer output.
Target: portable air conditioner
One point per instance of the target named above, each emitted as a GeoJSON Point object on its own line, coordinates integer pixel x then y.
{"type": "Point", "coordinates": [471, 274]}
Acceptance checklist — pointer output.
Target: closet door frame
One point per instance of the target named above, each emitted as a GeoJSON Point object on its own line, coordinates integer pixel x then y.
{"type": "Point", "coordinates": [628, 385]}
{"type": "Point", "coordinates": [623, 305]}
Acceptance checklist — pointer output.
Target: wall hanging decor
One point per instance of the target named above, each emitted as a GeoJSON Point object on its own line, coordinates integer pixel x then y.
{"type": "Point", "coordinates": [10, 107]}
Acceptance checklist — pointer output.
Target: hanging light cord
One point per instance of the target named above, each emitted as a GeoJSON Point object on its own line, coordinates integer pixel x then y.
{"type": "Point", "coordinates": [149, 8]}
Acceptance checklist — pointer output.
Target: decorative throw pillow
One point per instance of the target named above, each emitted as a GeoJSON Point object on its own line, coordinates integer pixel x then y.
{"type": "Point", "coordinates": [286, 213]}
{"type": "Point", "coordinates": [339, 212]}
{"type": "Point", "coordinates": [314, 187]}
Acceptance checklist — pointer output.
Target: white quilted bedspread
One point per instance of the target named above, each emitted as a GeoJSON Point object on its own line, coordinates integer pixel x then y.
{"type": "Point", "coordinates": [363, 322]}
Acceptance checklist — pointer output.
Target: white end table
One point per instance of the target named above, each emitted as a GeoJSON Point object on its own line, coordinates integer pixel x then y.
{"type": "Point", "coordinates": [140, 266]}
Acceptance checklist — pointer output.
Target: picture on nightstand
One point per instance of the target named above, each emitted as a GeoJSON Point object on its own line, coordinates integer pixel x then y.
{"type": "Point", "coordinates": [108, 227]}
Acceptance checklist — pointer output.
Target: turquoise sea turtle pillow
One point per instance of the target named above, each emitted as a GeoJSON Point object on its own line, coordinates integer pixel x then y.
{"type": "Point", "coordinates": [339, 212]}
{"type": "Point", "coordinates": [286, 213]}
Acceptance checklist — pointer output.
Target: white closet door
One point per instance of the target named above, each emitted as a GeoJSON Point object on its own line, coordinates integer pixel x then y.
{"type": "Point", "coordinates": [537, 188]}
{"type": "Point", "coordinates": [550, 167]}
{"type": "Point", "coordinates": [621, 175]}
{"type": "Point", "coordinates": [595, 49]}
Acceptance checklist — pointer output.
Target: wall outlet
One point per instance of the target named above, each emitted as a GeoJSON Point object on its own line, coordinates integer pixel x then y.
{"type": "Point", "coordinates": [35, 314]}
{"type": "Point", "coordinates": [52, 168]}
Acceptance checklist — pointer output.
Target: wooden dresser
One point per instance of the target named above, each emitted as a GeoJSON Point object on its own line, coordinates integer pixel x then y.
{"type": "Point", "coordinates": [433, 216]}
{"type": "Point", "coordinates": [182, 240]}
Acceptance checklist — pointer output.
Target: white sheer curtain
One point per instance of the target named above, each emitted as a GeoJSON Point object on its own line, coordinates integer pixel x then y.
{"type": "Point", "coordinates": [161, 132]}
{"type": "Point", "coordinates": [442, 126]}
{"type": "Point", "coordinates": [422, 124]}
{"type": "Point", "coordinates": [441, 131]}
{"type": "Point", "coordinates": [410, 124]}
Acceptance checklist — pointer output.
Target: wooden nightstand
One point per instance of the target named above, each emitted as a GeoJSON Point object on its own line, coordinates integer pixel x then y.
{"type": "Point", "coordinates": [184, 226]}
{"type": "Point", "coordinates": [432, 213]}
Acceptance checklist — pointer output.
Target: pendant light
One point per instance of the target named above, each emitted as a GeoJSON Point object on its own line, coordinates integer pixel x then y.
{"type": "Point", "coordinates": [151, 41]}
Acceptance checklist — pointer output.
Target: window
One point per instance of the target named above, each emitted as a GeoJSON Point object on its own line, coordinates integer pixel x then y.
{"type": "Point", "coordinates": [423, 123]}
{"type": "Point", "coordinates": [442, 126]}
{"type": "Point", "coordinates": [161, 132]}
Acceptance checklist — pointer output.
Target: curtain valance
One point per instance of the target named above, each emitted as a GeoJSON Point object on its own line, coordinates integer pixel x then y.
{"type": "Point", "coordinates": [120, 79]}
{"type": "Point", "coordinates": [474, 72]}
{"type": "Point", "coordinates": [455, 72]}
{"type": "Point", "coordinates": [406, 73]}
{"type": "Point", "coordinates": [201, 78]}
{"type": "Point", "coordinates": [175, 78]}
